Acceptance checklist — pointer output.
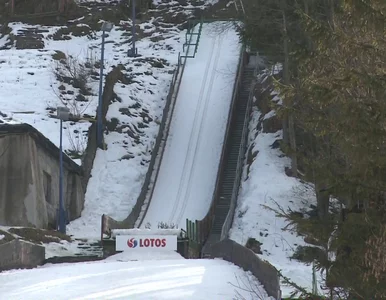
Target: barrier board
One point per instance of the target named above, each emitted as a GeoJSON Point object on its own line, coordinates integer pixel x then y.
{"type": "Point", "coordinates": [145, 242]}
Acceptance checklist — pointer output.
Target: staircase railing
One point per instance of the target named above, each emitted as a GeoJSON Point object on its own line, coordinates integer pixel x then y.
{"type": "Point", "coordinates": [204, 226]}
{"type": "Point", "coordinates": [240, 163]}
{"type": "Point", "coordinates": [190, 32]}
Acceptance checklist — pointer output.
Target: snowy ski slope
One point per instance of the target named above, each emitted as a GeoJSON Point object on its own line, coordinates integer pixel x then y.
{"type": "Point", "coordinates": [188, 171]}
{"type": "Point", "coordinates": [117, 277]}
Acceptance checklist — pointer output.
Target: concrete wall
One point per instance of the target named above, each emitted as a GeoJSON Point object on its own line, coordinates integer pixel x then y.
{"type": "Point", "coordinates": [19, 254]}
{"type": "Point", "coordinates": [72, 185]}
{"type": "Point", "coordinates": [25, 165]}
{"type": "Point", "coordinates": [245, 258]}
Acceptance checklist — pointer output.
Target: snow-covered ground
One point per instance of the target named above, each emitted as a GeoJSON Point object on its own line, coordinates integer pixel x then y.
{"type": "Point", "coordinates": [267, 185]}
{"type": "Point", "coordinates": [187, 175]}
{"type": "Point", "coordinates": [31, 93]}
{"type": "Point", "coordinates": [65, 248]}
{"type": "Point", "coordinates": [118, 172]}
{"type": "Point", "coordinates": [169, 278]}
{"type": "Point", "coordinates": [36, 70]}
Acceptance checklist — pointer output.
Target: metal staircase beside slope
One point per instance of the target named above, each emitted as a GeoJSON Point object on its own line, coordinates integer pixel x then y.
{"type": "Point", "coordinates": [233, 151]}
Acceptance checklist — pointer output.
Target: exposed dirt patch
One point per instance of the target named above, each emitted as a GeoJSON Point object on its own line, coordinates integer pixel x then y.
{"type": "Point", "coordinates": [254, 245]}
{"type": "Point", "coordinates": [38, 236]}
{"type": "Point", "coordinates": [59, 55]}
{"type": "Point", "coordinates": [7, 237]}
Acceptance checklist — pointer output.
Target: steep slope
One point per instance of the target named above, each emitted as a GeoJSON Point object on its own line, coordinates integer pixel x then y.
{"type": "Point", "coordinates": [185, 184]}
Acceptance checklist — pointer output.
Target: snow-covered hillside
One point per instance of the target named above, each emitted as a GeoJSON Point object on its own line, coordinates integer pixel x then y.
{"type": "Point", "coordinates": [33, 86]}
{"type": "Point", "coordinates": [31, 90]}
{"type": "Point", "coordinates": [266, 185]}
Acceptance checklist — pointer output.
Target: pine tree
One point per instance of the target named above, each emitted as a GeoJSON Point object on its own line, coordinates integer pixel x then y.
{"type": "Point", "coordinates": [334, 87]}
{"type": "Point", "coordinates": [342, 86]}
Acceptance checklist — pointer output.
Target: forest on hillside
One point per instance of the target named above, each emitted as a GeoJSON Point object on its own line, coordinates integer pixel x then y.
{"type": "Point", "coordinates": [333, 87]}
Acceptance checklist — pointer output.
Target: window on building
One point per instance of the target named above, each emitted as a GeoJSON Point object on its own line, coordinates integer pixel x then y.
{"type": "Point", "coordinates": [47, 184]}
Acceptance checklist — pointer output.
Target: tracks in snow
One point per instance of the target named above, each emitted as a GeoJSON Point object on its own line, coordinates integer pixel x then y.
{"type": "Point", "coordinates": [200, 117]}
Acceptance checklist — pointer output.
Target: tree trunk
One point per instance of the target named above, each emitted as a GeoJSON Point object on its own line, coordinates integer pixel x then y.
{"type": "Point", "coordinates": [307, 12]}
{"type": "Point", "coordinates": [286, 75]}
{"type": "Point", "coordinates": [331, 12]}
{"type": "Point", "coordinates": [292, 137]}
{"type": "Point", "coordinates": [289, 128]}
{"type": "Point", "coordinates": [323, 200]}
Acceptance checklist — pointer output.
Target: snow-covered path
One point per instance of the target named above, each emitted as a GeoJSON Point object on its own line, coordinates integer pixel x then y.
{"type": "Point", "coordinates": [187, 175]}
{"type": "Point", "coordinates": [150, 279]}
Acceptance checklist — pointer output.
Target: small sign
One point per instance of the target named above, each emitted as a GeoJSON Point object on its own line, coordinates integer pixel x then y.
{"type": "Point", "coordinates": [128, 242]}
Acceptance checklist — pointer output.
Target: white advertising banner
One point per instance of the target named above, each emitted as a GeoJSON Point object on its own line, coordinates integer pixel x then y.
{"type": "Point", "coordinates": [145, 242]}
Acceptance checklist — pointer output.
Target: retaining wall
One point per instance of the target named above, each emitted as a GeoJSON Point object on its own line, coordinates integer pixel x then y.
{"type": "Point", "coordinates": [245, 258]}
{"type": "Point", "coordinates": [18, 254]}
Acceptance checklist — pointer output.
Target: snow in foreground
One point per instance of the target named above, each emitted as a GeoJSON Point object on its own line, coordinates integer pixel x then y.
{"type": "Point", "coordinates": [164, 279]}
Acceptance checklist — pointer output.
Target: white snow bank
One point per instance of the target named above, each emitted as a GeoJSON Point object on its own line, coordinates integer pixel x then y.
{"type": "Point", "coordinates": [137, 231]}
{"type": "Point", "coordinates": [142, 254]}
{"type": "Point", "coordinates": [268, 185]}
{"type": "Point", "coordinates": [2, 236]}
{"type": "Point", "coordinates": [65, 248]}
{"type": "Point", "coordinates": [190, 3]}
{"type": "Point", "coordinates": [167, 279]}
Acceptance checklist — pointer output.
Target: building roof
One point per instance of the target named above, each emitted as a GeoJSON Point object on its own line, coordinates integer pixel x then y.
{"type": "Point", "coordinates": [45, 143]}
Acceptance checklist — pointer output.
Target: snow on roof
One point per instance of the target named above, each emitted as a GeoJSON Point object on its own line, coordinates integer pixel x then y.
{"type": "Point", "coordinates": [51, 148]}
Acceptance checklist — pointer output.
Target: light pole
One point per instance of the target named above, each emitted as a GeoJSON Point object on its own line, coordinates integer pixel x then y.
{"type": "Point", "coordinates": [106, 26]}
{"type": "Point", "coordinates": [133, 51]}
{"type": "Point", "coordinates": [63, 114]}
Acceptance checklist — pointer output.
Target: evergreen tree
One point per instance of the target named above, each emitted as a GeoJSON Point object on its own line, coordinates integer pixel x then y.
{"type": "Point", "coordinates": [334, 87]}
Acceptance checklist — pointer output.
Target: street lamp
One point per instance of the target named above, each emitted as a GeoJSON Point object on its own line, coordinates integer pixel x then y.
{"type": "Point", "coordinates": [63, 114]}
{"type": "Point", "coordinates": [106, 26]}
{"type": "Point", "coordinates": [133, 51]}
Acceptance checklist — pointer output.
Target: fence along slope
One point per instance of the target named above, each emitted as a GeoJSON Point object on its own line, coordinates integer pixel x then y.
{"type": "Point", "coordinates": [240, 161]}
{"type": "Point", "coordinates": [174, 95]}
{"type": "Point", "coordinates": [204, 226]}
{"type": "Point", "coordinates": [109, 223]}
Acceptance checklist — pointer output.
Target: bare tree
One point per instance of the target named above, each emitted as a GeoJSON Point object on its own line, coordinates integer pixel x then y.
{"type": "Point", "coordinates": [78, 142]}
{"type": "Point", "coordinates": [71, 70]}
{"type": "Point", "coordinates": [252, 287]}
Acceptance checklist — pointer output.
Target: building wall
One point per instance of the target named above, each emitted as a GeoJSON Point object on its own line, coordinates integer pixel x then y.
{"type": "Point", "coordinates": [29, 184]}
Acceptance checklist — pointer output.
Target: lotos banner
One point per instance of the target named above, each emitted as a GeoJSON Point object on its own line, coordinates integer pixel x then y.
{"type": "Point", "coordinates": [128, 242]}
